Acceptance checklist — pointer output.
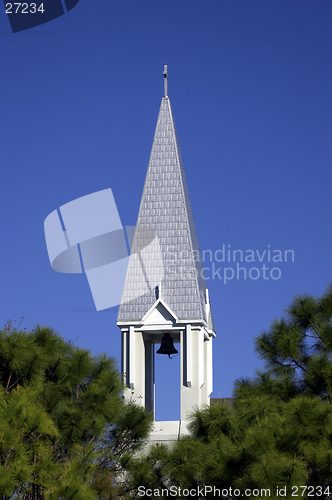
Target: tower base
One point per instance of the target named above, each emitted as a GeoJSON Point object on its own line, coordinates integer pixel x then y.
{"type": "Point", "coordinates": [171, 430]}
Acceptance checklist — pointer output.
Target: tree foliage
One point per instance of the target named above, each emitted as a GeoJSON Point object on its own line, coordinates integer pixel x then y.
{"type": "Point", "coordinates": [65, 430]}
{"type": "Point", "coordinates": [278, 432]}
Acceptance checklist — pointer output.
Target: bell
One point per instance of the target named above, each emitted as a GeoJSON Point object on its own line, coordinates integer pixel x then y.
{"type": "Point", "coordinates": [167, 346]}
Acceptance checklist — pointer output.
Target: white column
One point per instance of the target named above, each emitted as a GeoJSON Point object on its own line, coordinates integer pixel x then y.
{"type": "Point", "coordinates": [209, 367]}
{"type": "Point", "coordinates": [201, 363]}
{"type": "Point", "coordinates": [186, 356]}
{"type": "Point", "coordinates": [131, 367]}
{"type": "Point", "coordinates": [124, 367]}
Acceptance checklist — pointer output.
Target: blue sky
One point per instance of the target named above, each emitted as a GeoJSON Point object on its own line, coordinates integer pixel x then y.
{"type": "Point", "coordinates": [250, 87]}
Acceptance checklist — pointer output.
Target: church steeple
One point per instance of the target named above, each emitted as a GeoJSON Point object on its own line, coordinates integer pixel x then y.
{"type": "Point", "coordinates": [165, 290]}
{"type": "Point", "coordinates": [165, 208]}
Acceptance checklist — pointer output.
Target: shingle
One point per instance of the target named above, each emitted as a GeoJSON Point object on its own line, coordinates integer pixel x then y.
{"type": "Point", "coordinates": [166, 209]}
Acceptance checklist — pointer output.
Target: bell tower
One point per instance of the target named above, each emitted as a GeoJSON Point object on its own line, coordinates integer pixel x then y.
{"type": "Point", "coordinates": [165, 299]}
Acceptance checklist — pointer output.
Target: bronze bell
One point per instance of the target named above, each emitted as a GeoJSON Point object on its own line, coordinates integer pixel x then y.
{"type": "Point", "coordinates": [167, 346]}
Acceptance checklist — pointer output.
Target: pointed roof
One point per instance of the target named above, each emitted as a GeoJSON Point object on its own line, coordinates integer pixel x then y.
{"type": "Point", "coordinates": [173, 262]}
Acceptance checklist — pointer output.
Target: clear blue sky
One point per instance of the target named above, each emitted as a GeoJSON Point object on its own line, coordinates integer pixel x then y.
{"type": "Point", "coordinates": [250, 87]}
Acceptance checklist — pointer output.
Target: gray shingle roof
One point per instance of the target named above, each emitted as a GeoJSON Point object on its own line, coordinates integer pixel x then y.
{"type": "Point", "coordinates": [173, 259]}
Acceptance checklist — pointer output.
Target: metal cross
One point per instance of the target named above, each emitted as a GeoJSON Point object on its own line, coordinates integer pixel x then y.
{"type": "Point", "coordinates": [165, 80]}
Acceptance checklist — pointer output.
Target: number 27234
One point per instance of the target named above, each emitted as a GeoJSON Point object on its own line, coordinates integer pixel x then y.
{"type": "Point", "coordinates": [24, 8]}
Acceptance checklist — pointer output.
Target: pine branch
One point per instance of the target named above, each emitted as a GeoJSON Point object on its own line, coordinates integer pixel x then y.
{"type": "Point", "coordinates": [298, 364]}
{"type": "Point", "coordinates": [91, 440]}
{"type": "Point", "coordinates": [37, 439]}
{"type": "Point", "coordinates": [16, 382]}
{"type": "Point", "coordinates": [8, 381]}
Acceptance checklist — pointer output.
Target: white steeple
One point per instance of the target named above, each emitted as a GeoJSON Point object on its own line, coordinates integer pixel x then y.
{"type": "Point", "coordinates": [165, 257]}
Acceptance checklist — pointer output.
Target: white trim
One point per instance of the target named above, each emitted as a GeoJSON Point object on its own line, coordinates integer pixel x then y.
{"type": "Point", "coordinates": [155, 305]}
{"type": "Point", "coordinates": [198, 322]}
{"type": "Point", "coordinates": [158, 327]}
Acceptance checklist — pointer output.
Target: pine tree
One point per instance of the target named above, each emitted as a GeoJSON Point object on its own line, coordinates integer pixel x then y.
{"type": "Point", "coordinates": [278, 434]}
{"type": "Point", "coordinates": [64, 427]}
